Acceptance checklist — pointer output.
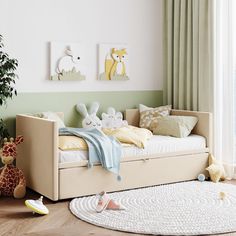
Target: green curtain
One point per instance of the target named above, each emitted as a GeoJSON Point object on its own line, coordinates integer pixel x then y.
{"type": "Point", "coordinates": [188, 54]}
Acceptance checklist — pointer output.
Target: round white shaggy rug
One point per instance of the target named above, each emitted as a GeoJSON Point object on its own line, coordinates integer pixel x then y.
{"type": "Point", "coordinates": [188, 208]}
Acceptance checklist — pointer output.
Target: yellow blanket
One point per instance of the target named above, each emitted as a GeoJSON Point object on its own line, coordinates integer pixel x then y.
{"type": "Point", "coordinates": [69, 143]}
{"type": "Point", "coordinates": [130, 135]}
{"type": "Point", "coordinates": [126, 135]}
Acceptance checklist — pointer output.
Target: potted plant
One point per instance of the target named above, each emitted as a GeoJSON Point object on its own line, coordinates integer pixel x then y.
{"type": "Point", "coordinates": [8, 67]}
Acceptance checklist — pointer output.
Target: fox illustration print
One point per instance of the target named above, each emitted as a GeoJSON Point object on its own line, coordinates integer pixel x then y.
{"type": "Point", "coordinates": [115, 63]}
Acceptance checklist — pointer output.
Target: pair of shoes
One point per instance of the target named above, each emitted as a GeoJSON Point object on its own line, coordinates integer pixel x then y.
{"type": "Point", "coordinates": [104, 202]}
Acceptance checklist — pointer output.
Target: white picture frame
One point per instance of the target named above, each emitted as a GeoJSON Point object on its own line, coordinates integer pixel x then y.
{"type": "Point", "coordinates": [113, 62]}
{"type": "Point", "coordinates": [67, 61]}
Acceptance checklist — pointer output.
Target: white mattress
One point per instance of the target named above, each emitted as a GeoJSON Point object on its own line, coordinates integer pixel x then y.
{"type": "Point", "coordinates": [156, 145]}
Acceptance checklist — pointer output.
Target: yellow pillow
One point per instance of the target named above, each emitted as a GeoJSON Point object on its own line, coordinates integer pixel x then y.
{"type": "Point", "coordinates": [72, 143]}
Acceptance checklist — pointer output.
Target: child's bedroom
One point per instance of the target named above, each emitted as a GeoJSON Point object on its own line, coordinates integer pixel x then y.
{"type": "Point", "coordinates": [117, 117]}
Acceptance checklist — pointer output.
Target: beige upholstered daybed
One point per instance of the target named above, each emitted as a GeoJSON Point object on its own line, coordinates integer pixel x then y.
{"type": "Point", "coordinates": [38, 157]}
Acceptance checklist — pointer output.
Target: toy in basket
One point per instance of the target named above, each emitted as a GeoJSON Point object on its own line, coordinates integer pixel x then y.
{"type": "Point", "coordinates": [12, 180]}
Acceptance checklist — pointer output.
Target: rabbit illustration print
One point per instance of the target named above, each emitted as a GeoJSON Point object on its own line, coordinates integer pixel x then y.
{"type": "Point", "coordinates": [68, 61]}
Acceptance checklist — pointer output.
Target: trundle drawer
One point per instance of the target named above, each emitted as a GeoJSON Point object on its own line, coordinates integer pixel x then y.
{"type": "Point", "coordinates": [81, 181]}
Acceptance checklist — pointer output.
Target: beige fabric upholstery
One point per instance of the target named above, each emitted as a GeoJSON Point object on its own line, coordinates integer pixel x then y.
{"type": "Point", "coordinates": [134, 174]}
{"type": "Point", "coordinates": [38, 155]}
{"type": "Point", "coordinates": [203, 126]}
{"type": "Point", "coordinates": [38, 158]}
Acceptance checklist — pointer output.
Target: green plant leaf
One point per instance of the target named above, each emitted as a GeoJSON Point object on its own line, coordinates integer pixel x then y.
{"type": "Point", "coordinates": [3, 132]}
{"type": "Point", "coordinates": [8, 67]}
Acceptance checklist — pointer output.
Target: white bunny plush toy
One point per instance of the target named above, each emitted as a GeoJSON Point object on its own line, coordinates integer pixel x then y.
{"type": "Point", "coordinates": [90, 117]}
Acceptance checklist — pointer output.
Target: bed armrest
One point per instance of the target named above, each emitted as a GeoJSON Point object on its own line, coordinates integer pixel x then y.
{"type": "Point", "coordinates": [38, 154]}
{"type": "Point", "coordinates": [203, 127]}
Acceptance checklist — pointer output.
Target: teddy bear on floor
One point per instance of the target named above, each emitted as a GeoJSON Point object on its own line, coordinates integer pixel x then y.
{"type": "Point", "coordinates": [12, 180]}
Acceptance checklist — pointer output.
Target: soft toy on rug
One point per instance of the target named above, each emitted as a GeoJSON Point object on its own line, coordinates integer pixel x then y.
{"type": "Point", "coordinates": [113, 119]}
{"type": "Point", "coordinates": [222, 195]}
{"type": "Point", "coordinates": [216, 169]}
{"type": "Point", "coordinates": [90, 117]}
{"type": "Point", "coordinates": [12, 180]}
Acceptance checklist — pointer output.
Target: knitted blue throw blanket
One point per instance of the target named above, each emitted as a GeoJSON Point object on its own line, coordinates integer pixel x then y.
{"type": "Point", "coordinates": [102, 148]}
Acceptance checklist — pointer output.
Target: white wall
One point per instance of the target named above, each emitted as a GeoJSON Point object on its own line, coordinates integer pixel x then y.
{"type": "Point", "coordinates": [28, 27]}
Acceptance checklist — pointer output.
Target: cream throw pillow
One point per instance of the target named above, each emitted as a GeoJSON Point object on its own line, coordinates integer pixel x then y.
{"type": "Point", "coordinates": [50, 115]}
{"type": "Point", "coordinates": [177, 126]}
{"type": "Point", "coordinates": [54, 116]}
{"type": "Point", "coordinates": [148, 115]}
{"type": "Point", "coordinates": [144, 108]}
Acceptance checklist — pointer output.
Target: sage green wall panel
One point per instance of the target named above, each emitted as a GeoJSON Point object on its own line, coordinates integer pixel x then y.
{"type": "Point", "coordinates": [66, 101]}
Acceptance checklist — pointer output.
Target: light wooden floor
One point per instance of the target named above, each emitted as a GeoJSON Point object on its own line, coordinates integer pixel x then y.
{"type": "Point", "coordinates": [16, 219]}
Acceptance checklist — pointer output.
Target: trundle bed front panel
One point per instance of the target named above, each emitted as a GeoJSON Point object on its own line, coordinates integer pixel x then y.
{"type": "Point", "coordinates": [81, 181]}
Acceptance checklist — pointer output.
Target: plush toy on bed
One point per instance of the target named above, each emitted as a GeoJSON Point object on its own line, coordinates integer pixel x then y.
{"type": "Point", "coordinates": [113, 119]}
{"type": "Point", "coordinates": [90, 119]}
{"type": "Point", "coordinates": [12, 180]}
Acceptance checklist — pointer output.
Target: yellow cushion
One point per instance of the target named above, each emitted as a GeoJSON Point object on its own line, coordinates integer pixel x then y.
{"type": "Point", "coordinates": [72, 143]}
{"type": "Point", "coordinates": [130, 135]}
{"type": "Point", "coordinates": [216, 169]}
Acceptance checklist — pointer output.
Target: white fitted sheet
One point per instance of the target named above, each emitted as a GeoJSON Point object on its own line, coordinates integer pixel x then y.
{"type": "Point", "coordinates": [156, 145]}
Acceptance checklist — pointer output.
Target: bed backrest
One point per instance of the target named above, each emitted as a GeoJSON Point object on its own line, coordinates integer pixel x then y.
{"type": "Point", "coordinates": [132, 116]}
{"type": "Point", "coordinates": [203, 127]}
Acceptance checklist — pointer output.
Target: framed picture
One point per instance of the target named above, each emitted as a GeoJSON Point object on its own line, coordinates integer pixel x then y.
{"type": "Point", "coordinates": [113, 62]}
{"type": "Point", "coordinates": [68, 61]}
